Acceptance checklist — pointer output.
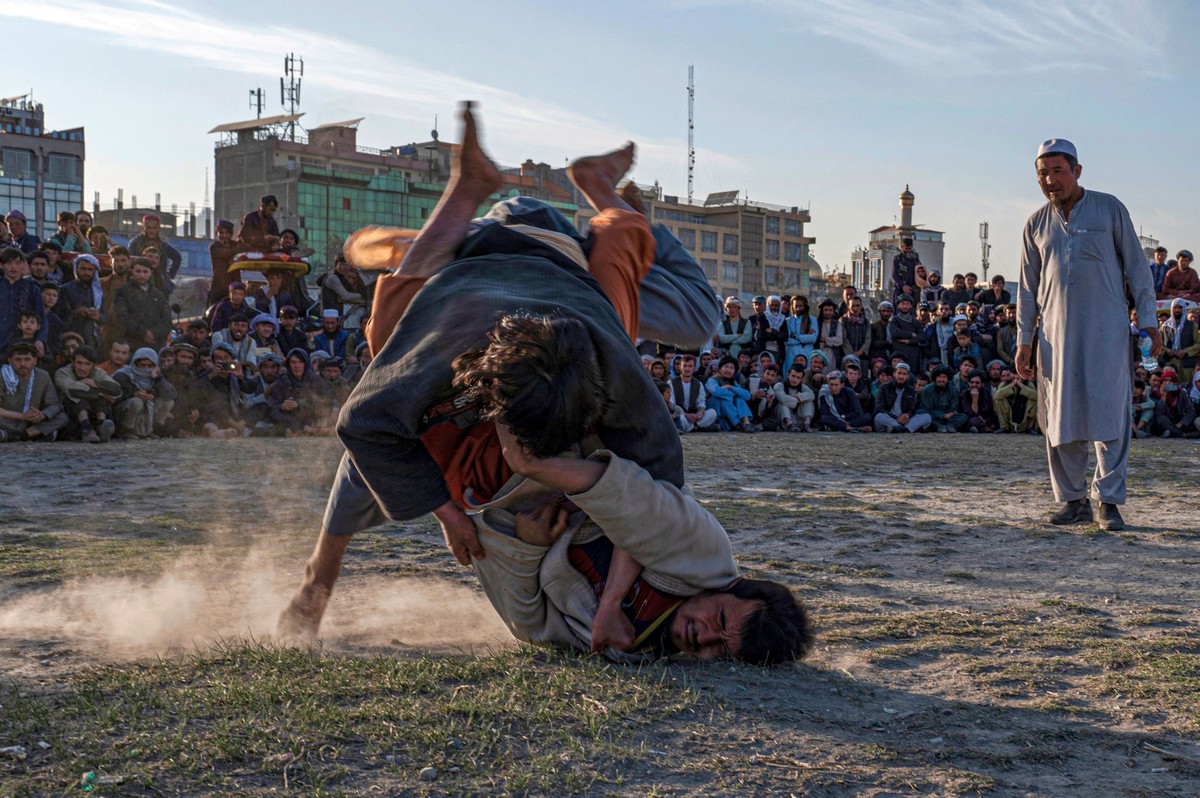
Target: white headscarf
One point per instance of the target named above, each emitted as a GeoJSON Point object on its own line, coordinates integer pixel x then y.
{"type": "Point", "coordinates": [1176, 327]}
{"type": "Point", "coordinates": [774, 318]}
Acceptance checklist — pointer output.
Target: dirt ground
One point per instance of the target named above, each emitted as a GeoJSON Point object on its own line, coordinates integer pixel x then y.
{"type": "Point", "coordinates": [965, 646]}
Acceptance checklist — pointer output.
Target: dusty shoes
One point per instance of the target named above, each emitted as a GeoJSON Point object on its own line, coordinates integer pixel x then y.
{"type": "Point", "coordinates": [1078, 511]}
{"type": "Point", "coordinates": [1110, 517]}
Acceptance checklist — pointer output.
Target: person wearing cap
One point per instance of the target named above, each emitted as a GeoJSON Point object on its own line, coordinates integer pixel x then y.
{"type": "Point", "coordinates": [1181, 280]}
{"type": "Point", "coordinates": [30, 409]}
{"type": "Point", "coordinates": [904, 271]}
{"type": "Point", "coordinates": [291, 335]}
{"type": "Point", "coordinates": [881, 344]}
{"type": "Point", "coordinates": [264, 332]}
{"type": "Point", "coordinates": [770, 329]}
{"type": "Point", "coordinates": [237, 337]}
{"type": "Point", "coordinates": [222, 252]}
{"type": "Point", "coordinates": [905, 332]}
{"type": "Point", "coordinates": [260, 230]}
{"type": "Point", "coordinates": [1081, 252]}
{"type": "Point", "coordinates": [234, 304]}
{"type": "Point", "coordinates": [1181, 343]}
{"type": "Point", "coordinates": [333, 340]}
{"type": "Point", "coordinates": [151, 237]}
{"type": "Point", "coordinates": [735, 331]}
{"type": "Point", "coordinates": [1174, 413]}
{"type": "Point", "coordinates": [255, 407]}
{"type": "Point", "coordinates": [838, 408]}
{"type": "Point", "coordinates": [21, 238]}
{"type": "Point", "coordinates": [896, 404]}
{"type": "Point", "coordinates": [82, 301]}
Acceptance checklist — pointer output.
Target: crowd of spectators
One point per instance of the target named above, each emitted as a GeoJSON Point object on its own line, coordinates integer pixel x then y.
{"type": "Point", "coordinates": [91, 350]}
{"type": "Point", "coordinates": [916, 366]}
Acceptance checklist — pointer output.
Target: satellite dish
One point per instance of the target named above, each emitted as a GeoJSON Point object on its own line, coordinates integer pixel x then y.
{"type": "Point", "coordinates": [434, 133]}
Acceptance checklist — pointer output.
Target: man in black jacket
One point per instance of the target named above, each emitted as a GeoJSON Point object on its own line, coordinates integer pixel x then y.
{"type": "Point", "coordinates": [896, 405]}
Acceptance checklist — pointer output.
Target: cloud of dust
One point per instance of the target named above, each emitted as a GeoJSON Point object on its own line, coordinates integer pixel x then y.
{"type": "Point", "coordinates": [204, 598]}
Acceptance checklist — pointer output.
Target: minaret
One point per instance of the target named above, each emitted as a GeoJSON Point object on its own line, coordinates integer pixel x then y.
{"type": "Point", "coordinates": [906, 206]}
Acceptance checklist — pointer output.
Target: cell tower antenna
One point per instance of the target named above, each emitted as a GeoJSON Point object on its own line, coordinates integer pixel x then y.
{"type": "Point", "coordinates": [206, 187]}
{"type": "Point", "coordinates": [691, 129]}
{"type": "Point", "coordinates": [985, 250]}
{"type": "Point", "coordinates": [289, 88]}
{"type": "Point", "coordinates": [256, 102]}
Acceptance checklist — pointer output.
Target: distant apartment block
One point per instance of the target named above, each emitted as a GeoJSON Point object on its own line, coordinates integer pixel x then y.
{"type": "Point", "coordinates": [41, 171]}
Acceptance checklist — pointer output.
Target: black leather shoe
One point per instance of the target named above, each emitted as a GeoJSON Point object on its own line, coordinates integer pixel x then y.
{"type": "Point", "coordinates": [1078, 511]}
{"type": "Point", "coordinates": [1110, 517]}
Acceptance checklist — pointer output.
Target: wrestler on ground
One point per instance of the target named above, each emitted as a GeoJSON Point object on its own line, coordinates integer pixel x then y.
{"type": "Point", "coordinates": [559, 370]}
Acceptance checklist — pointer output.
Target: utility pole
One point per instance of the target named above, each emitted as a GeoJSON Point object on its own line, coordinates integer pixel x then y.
{"type": "Point", "coordinates": [256, 102]}
{"type": "Point", "coordinates": [289, 88]}
{"type": "Point", "coordinates": [985, 250]}
{"type": "Point", "coordinates": [691, 129]}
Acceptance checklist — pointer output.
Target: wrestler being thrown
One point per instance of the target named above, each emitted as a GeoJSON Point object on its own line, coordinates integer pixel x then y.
{"type": "Point", "coordinates": [525, 423]}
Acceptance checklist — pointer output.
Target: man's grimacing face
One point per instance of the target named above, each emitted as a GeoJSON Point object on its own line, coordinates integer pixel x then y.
{"type": "Point", "coordinates": [1056, 178]}
{"type": "Point", "coordinates": [709, 626]}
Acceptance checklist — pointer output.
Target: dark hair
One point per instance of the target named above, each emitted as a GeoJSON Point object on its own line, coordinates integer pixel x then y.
{"type": "Point", "coordinates": [1163, 250]}
{"type": "Point", "coordinates": [66, 216]}
{"type": "Point", "coordinates": [140, 261]}
{"type": "Point", "coordinates": [38, 253]}
{"type": "Point", "coordinates": [155, 250]}
{"type": "Point", "coordinates": [770, 367]}
{"type": "Point", "coordinates": [268, 199]}
{"type": "Point", "coordinates": [661, 386]}
{"type": "Point", "coordinates": [540, 375]}
{"type": "Point", "coordinates": [119, 342]}
{"type": "Point", "coordinates": [1139, 384]}
{"type": "Point", "coordinates": [727, 359]}
{"type": "Point", "coordinates": [86, 352]}
{"type": "Point", "coordinates": [118, 250]}
{"type": "Point", "coordinates": [29, 314]}
{"type": "Point", "coordinates": [293, 232]}
{"type": "Point", "coordinates": [9, 254]}
{"type": "Point", "coordinates": [971, 274]}
{"type": "Point", "coordinates": [778, 630]}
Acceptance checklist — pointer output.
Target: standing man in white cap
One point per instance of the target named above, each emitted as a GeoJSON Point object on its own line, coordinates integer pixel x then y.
{"type": "Point", "coordinates": [1080, 254]}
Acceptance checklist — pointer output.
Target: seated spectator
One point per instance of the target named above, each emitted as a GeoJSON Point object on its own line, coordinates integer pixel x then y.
{"type": "Point", "coordinates": [838, 409]}
{"type": "Point", "coordinates": [228, 308]}
{"type": "Point", "coordinates": [343, 290]}
{"type": "Point", "coordinates": [54, 323]}
{"type": "Point", "coordinates": [1143, 411]}
{"type": "Point", "coordinates": [688, 393]}
{"type": "Point", "coordinates": [1015, 402]}
{"type": "Point", "coordinates": [237, 337]}
{"type": "Point", "coordinates": [336, 342]}
{"type": "Point", "coordinates": [657, 369]}
{"type": "Point", "coordinates": [995, 371]}
{"type": "Point", "coordinates": [87, 394]}
{"type": "Point", "coordinates": [817, 364]}
{"type": "Point", "coordinates": [966, 365]}
{"type": "Point", "coordinates": [39, 266]}
{"type": "Point", "coordinates": [353, 372]}
{"type": "Point", "coordinates": [220, 403]}
{"type": "Point", "coordinates": [118, 357]}
{"type": "Point", "coordinates": [30, 409]}
{"type": "Point", "coordinates": [272, 297]}
{"type": "Point", "coordinates": [940, 401]}
{"type": "Point", "coordinates": [140, 311]}
{"type": "Point", "coordinates": [263, 330]}
{"type": "Point", "coordinates": [147, 397]}
{"type": "Point", "coordinates": [796, 401]}
{"type": "Point", "coordinates": [289, 335]}
{"type": "Point", "coordinates": [59, 268]}
{"type": "Point", "coordinates": [255, 407]}
{"type": "Point", "coordinates": [1174, 415]}
{"type": "Point", "coordinates": [70, 342]}
{"type": "Point", "coordinates": [896, 405]}
{"type": "Point", "coordinates": [196, 334]}
{"type": "Point", "coordinates": [29, 327]}
{"type": "Point", "coordinates": [763, 400]}
{"type": "Point", "coordinates": [674, 410]}
{"type": "Point", "coordinates": [19, 233]}
{"type": "Point", "coordinates": [18, 293]}
{"type": "Point", "coordinates": [1181, 342]}
{"type": "Point", "coordinates": [331, 372]}
{"type": "Point", "coordinates": [964, 348]}
{"type": "Point", "coordinates": [191, 394]}
{"type": "Point", "coordinates": [301, 403]}
{"type": "Point", "coordinates": [745, 368]}
{"type": "Point", "coordinates": [728, 398]}
{"type": "Point", "coordinates": [975, 402]}
{"type": "Point", "coordinates": [854, 380]}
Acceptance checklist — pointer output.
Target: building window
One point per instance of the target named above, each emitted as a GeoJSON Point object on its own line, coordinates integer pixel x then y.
{"type": "Point", "coordinates": [710, 267]}
{"type": "Point", "coordinates": [17, 164]}
{"type": "Point", "coordinates": [730, 244]}
{"type": "Point", "coordinates": [771, 275]}
{"type": "Point", "coordinates": [687, 237]}
{"type": "Point", "coordinates": [773, 225]}
{"type": "Point", "coordinates": [65, 169]}
{"type": "Point", "coordinates": [793, 227]}
{"type": "Point", "coordinates": [729, 272]}
{"type": "Point", "coordinates": [793, 252]}
{"type": "Point", "coordinates": [772, 249]}
{"type": "Point", "coordinates": [791, 278]}
{"type": "Point", "coordinates": [708, 241]}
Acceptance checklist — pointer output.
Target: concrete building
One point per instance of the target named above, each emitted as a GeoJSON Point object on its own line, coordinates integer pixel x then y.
{"type": "Point", "coordinates": [41, 171]}
{"type": "Point", "coordinates": [871, 265]}
{"type": "Point", "coordinates": [328, 186]}
{"type": "Point", "coordinates": [745, 248]}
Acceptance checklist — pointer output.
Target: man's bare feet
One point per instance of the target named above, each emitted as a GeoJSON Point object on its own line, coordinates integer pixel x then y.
{"type": "Point", "coordinates": [597, 177]}
{"type": "Point", "coordinates": [633, 197]}
{"type": "Point", "coordinates": [471, 168]}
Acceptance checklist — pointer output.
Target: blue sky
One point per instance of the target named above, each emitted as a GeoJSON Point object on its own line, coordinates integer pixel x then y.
{"type": "Point", "coordinates": [831, 104]}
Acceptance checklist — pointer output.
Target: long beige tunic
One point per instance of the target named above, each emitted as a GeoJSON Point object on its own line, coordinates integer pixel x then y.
{"type": "Point", "coordinates": [1073, 278]}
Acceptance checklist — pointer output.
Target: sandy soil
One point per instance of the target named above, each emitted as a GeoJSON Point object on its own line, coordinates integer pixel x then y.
{"type": "Point", "coordinates": [965, 646]}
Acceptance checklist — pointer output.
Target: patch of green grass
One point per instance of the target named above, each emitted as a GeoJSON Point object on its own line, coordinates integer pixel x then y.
{"type": "Point", "coordinates": [249, 718]}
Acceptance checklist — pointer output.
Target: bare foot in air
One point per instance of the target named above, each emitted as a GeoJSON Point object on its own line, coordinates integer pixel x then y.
{"type": "Point", "coordinates": [633, 197]}
{"type": "Point", "coordinates": [471, 170]}
{"type": "Point", "coordinates": [597, 176]}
